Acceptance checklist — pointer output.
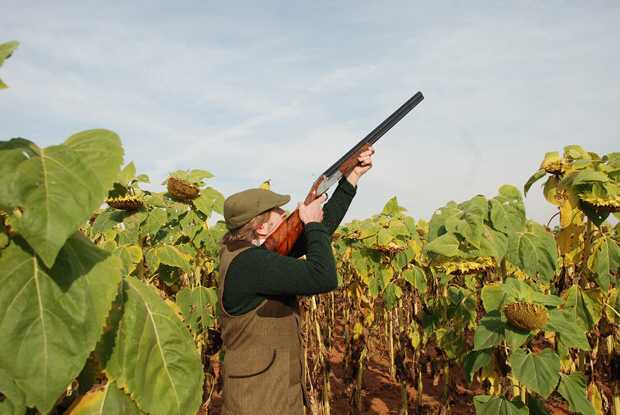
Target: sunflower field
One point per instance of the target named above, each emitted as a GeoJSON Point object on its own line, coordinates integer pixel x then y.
{"type": "Point", "coordinates": [108, 302]}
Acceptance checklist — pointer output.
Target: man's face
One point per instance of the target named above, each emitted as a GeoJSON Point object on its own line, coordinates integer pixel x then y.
{"type": "Point", "coordinates": [276, 216]}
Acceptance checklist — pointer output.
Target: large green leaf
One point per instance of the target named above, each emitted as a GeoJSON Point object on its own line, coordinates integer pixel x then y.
{"type": "Point", "coordinates": [106, 400]}
{"type": "Point", "coordinates": [446, 245]}
{"type": "Point", "coordinates": [108, 220]}
{"type": "Point", "coordinates": [540, 372]}
{"type": "Point", "coordinates": [8, 407]}
{"type": "Point", "coordinates": [12, 154]}
{"type": "Point", "coordinates": [469, 228]}
{"type": "Point", "coordinates": [497, 405]}
{"type": "Point", "coordinates": [151, 354]}
{"type": "Point", "coordinates": [507, 212]}
{"type": "Point", "coordinates": [534, 251]}
{"type": "Point", "coordinates": [515, 337]}
{"type": "Point", "coordinates": [127, 173]}
{"type": "Point", "coordinates": [489, 332]}
{"type": "Point", "coordinates": [606, 260]}
{"type": "Point", "coordinates": [476, 359]}
{"type": "Point", "coordinates": [415, 276]}
{"type": "Point", "coordinates": [589, 176]}
{"type": "Point", "coordinates": [169, 255]}
{"type": "Point", "coordinates": [198, 306]}
{"type": "Point", "coordinates": [56, 189]}
{"type": "Point", "coordinates": [536, 406]}
{"type": "Point", "coordinates": [391, 294]}
{"type": "Point", "coordinates": [12, 393]}
{"type": "Point", "coordinates": [533, 179]}
{"type": "Point", "coordinates": [6, 50]}
{"type": "Point", "coordinates": [571, 330]}
{"type": "Point", "coordinates": [156, 219]}
{"type": "Point", "coordinates": [51, 319]}
{"type": "Point", "coordinates": [573, 389]}
{"type": "Point", "coordinates": [392, 208]}
{"type": "Point", "coordinates": [492, 243]}
{"type": "Point", "coordinates": [101, 151]}
{"type": "Point", "coordinates": [209, 200]}
{"type": "Point", "coordinates": [584, 305]}
{"type": "Point", "coordinates": [436, 226]}
{"type": "Point", "coordinates": [493, 296]}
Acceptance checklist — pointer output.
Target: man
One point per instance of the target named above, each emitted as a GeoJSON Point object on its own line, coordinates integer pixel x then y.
{"type": "Point", "coordinates": [259, 314]}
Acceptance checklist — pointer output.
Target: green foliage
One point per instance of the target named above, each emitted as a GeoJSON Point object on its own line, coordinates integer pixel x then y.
{"type": "Point", "coordinates": [150, 342]}
{"type": "Point", "coordinates": [490, 331]}
{"type": "Point", "coordinates": [538, 371]}
{"type": "Point", "coordinates": [49, 192]}
{"type": "Point", "coordinates": [571, 332]}
{"type": "Point", "coordinates": [61, 309]}
{"type": "Point", "coordinates": [195, 176]}
{"type": "Point", "coordinates": [534, 252]}
{"type": "Point", "coordinates": [6, 50]}
{"type": "Point", "coordinates": [475, 360]}
{"type": "Point", "coordinates": [496, 405]}
{"type": "Point", "coordinates": [573, 389]}
{"type": "Point", "coordinates": [106, 400]}
{"type": "Point", "coordinates": [140, 299]}
{"type": "Point", "coordinates": [198, 307]}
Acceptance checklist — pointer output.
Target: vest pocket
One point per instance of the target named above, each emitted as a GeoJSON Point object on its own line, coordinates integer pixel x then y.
{"type": "Point", "coordinates": [256, 373]}
{"type": "Point", "coordinates": [256, 382]}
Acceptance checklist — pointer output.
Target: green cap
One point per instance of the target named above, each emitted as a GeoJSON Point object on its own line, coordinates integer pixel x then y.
{"type": "Point", "coordinates": [242, 207]}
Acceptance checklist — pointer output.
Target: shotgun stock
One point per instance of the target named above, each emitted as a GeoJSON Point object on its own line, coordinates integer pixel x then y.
{"type": "Point", "coordinates": [286, 235]}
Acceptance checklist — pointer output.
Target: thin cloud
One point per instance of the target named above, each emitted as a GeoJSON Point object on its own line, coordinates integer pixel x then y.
{"type": "Point", "coordinates": [280, 92]}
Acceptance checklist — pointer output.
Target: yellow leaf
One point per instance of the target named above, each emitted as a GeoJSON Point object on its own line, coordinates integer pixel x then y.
{"type": "Point", "coordinates": [266, 184]}
{"type": "Point", "coordinates": [570, 243]}
{"type": "Point", "coordinates": [89, 402]}
{"type": "Point", "coordinates": [594, 395]}
{"type": "Point", "coordinates": [551, 191]}
{"type": "Point", "coordinates": [358, 329]}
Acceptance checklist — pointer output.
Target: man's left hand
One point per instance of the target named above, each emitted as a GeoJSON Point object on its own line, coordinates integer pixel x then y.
{"type": "Point", "coordinates": [364, 163]}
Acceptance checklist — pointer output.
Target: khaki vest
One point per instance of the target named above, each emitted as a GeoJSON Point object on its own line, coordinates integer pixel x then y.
{"type": "Point", "coordinates": [262, 371]}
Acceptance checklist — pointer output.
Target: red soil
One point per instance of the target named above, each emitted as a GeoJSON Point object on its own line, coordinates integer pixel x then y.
{"type": "Point", "coordinates": [382, 395]}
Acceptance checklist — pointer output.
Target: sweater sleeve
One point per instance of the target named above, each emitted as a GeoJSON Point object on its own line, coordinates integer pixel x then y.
{"type": "Point", "coordinates": [334, 211]}
{"type": "Point", "coordinates": [260, 272]}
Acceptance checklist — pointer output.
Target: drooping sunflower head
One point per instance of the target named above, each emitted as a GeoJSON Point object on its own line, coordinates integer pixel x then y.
{"type": "Point", "coordinates": [526, 316]}
{"type": "Point", "coordinates": [609, 203]}
{"type": "Point", "coordinates": [553, 163]}
{"type": "Point", "coordinates": [181, 189]}
{"type": "Point", "coordinates": [466, 267]}
{"type": "Point", "coordinates": [127, 202]}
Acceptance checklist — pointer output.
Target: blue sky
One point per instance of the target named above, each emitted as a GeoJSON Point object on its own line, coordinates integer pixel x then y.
{"type": "Point", "coordinates": [278, 90]}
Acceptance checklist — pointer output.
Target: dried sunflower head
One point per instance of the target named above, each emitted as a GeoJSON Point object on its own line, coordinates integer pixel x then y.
{"type": "Point", "coordinates": [466, 267]}
{"type": "Point", "coordinates": [390, 248]}
{"type": "Point", "coordinates": [181, 189]}
{"type": "Point", "coordinates": [127, 202]}
{"type": "Point", "coordinates": [553, 164]}
{"type": "Point", "coordinates": [526, 316]}
{"type": "Point", "coordinates": [610, 203]}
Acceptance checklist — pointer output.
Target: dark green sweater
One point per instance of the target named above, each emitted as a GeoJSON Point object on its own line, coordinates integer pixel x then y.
{"type": "Point", "coordinates": [257, 273]}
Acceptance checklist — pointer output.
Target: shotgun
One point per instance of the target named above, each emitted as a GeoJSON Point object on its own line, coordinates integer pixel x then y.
{"type": "Point", "coordinates": [284, 237]}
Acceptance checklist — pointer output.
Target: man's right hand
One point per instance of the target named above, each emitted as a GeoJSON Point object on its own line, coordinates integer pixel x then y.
{"type": "Point", "coordinates": [312, 212]}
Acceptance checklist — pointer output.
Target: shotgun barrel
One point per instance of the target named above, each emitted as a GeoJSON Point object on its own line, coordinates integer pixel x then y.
{"type": "Point", "coordinates": [285, 236]}
{"type": "Point", "coordinates": [379, 131]}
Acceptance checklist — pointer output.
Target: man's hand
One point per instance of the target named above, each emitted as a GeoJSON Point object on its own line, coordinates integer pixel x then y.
{"type": "Point", "coordinates": [364, 163]}
{"type": "Point", "coordinates": [312, 212]}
